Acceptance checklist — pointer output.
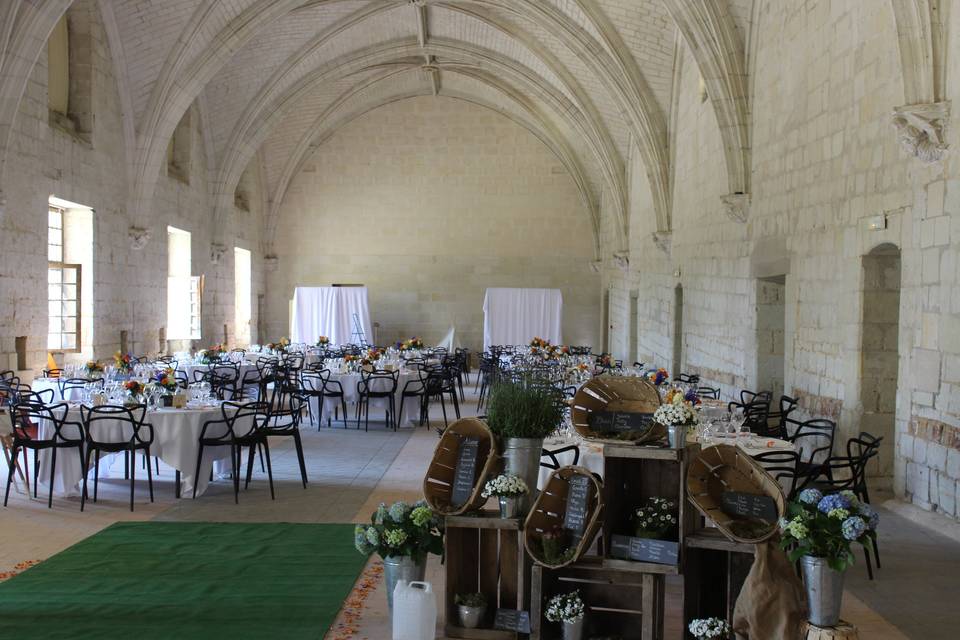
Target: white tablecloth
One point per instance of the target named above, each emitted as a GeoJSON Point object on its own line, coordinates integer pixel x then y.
{"type": "Point", "coordinates": [176, 435]}
{"type": "Point", "coordinates": [42, 384]}
{"type": "Point", "coordinates": [351, 394]}
{"type": "Point", "coordinates": [329, 311]}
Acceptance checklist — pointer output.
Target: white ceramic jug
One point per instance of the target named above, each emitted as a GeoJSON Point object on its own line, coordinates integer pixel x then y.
{"type": "Point", "coordinates": [414, 611]}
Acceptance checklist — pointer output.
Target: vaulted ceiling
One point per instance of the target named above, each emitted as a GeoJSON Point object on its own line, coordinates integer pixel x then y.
{"type": "Point", "coordinates": [274, 78]}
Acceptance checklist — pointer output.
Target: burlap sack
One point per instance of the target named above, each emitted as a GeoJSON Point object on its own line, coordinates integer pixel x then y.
{"type": "Point", "coordinates": [772, 604]}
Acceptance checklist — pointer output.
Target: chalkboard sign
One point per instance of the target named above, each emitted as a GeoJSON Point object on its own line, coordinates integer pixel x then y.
{"type": "Point", "coordinates": [619, 422]}
{"type": "Point", "coordinates": [735, 503]}
{"type": "Point", "coordinates": [575, 518]}
{"type": "Point", "coordinates": [465, 472]}
{"type": "Point", "coordinates": [644, 549]}
{"type": "Point", "coordinates": [512, 620]}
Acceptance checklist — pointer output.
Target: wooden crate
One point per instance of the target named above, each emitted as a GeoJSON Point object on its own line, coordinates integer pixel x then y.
{"type": "Point", "coordinates": [624, 604]}
{"type": "Point", "coordinates": [714, 572]}
{"type": "Point", "coordinates": [484, 553]}
{"type": "Point", "coordinates": [631, 475]}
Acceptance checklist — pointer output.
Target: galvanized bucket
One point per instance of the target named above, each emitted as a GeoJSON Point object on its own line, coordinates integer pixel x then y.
{"type": "Point", "coordinates": [397, 568]}
{"type": "Point", "coordinates": [522, 458]}
{"type": "Point", "coordinates": [824, 590]}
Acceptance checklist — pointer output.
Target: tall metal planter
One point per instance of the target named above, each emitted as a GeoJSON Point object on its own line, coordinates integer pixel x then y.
{"type": "Point", "coordinates": [522, 458]}
{"type": "Point", "coordinates": [824, 590]}
{"type": "Point", "coordinates": [397, 568]}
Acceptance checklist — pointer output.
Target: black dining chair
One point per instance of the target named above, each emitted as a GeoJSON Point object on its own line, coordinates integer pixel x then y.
{"type": "Point", "coordinates": [415, 390]}
{"type": "Point", "coordinates": [783, 466]}
{"type": "Point", "coordinates": [552, 455]}
{"type": "Point", "coordinates": [708, 392]}
{"type": "Point", "coordinates": [284, 421]}
{"type": "Point", "coordinates": [813, 440]}
{"type": "Point", "coordinates": [240, 426]}
{"type": "Point", "coordinates": [27, 415]}
{"type": "Point", "coordinates": [331, 389]}
{"type": "Point", "coordinates": [116, 429]}
{"type": "Point", "coordinates": [778, 420]}
{"type": "Point", "coordinates": [377, 385]}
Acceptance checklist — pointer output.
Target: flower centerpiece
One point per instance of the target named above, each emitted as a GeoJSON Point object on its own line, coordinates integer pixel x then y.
{"type": "Point", "coordinates": [134, 390]}
{"type": "Point", "coordinates": [123, 362]}
{"type": "Point", "coordinates": [677, 414]}
{"type": "Point", "coordinates": [94, 369]}
{"type": "Point", "coordinates": [370, 356]}
{"type": "Point", "coordinates": [413, 344]}
{"type": "Point", "coordinates": [521, 413]}
{"type": "Point", "coordinates": [165, 381]}
{"type": "Point", "coordinates": [212, 354]}
{"type": "Point", "coordinates": [819, 530]}
{"type": "Point", "coordinates": [656, 519]}
{"type": "Point", "coordinates": [567, 609]}
{"type": "Point", "coordinates": [279, 346]}
{"type": "Point", "coordinates": [402, 535]}
{"type": "Point", "coordinates": [323, 341]}
{"type": "Point", "coordinates": [710, 629]}
{"type": "Point", "coordinates": [658, 377]}
{"type": "Point", "coordinates": [507, 488]}
{"type": "Point", "coordinates": [470, 609]}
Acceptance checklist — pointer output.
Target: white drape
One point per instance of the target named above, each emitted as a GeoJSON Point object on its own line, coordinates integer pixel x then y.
{"type": "Point", "coordinates": [516, 316]}
{"type": "Point", "coordinates": [328, 311]}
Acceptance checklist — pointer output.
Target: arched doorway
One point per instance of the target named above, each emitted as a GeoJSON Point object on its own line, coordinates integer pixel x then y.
{"type": "Point", "coordinates": [880, 353]}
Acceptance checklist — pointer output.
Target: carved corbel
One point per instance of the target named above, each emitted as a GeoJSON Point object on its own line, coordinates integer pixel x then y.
{"type": "Point", "coordinates": [921, 130]}
{"type": "Point", "coordinates": [217, 252]}
{"type": "Point", "coordinates": [270, 262]}
{"type": "Point", "coordinates": [736, 206]}
{"type": "Point", "coordinates": [622, 260]}
{"type": "Point", "coordinates": [662, 240]}
{"type": "Point", "coordinates": [139, 237]}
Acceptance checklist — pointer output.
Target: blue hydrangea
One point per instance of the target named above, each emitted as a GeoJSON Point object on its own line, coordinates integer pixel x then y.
{"type": "Point", "coordinates": [373, 537]}
{"type": "Point", "coordinates": [810, 496]}
{"type": "Point", "coordinates": [869, 514]}
{"type": "Point", "coordinates": [853, 527]}
{"type": "Point", "coordinates": [833, 501]}
{"type": "Point", "coordinates": [360, 540]}
{"type": "Point", "coordinates": [398, 511]}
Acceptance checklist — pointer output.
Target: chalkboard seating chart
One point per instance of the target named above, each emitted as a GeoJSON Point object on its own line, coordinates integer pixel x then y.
{"type": "Point", "coordinates": [512, 620]}
{"type": "Point", "coordinates": [736, 503]}
{"type": "Point", "coordinates": [578, 495]}
{"type": "Point", "coordinates": [466, 471]}
{"type": "Point", "coordinates": [644, 549]}
{"type": "Point", "coordinates": [620, 421]}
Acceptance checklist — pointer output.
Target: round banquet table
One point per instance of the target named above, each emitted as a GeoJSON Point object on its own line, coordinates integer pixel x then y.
{"type": "Point", "coordinates": [53, 384]}
{"type": "Point", "coordinates": [175, 441]}
{"type": "Point", "coordinates": [349, 383]}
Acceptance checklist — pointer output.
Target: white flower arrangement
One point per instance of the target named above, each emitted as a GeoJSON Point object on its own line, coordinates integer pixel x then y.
{"type": "Point", "coordinates": [658, 514]}
{"type": "Point", "coordinates": [506, 485]}
{"type": "Point", "coordinates": [675, 411]}
{"type": "Point", "coordinates": [710, 628]}
{"type": "Point", "coordinates": [567, 607]}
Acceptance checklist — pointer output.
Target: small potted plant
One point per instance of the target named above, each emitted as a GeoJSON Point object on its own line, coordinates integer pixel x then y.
{"type": "Point", "coordinates": [471, 607]}
{"type": "Point", "coordinates": [568, 610]}
{"type": "Point", "coordinates": [710, 629]}
{"type": "Point", "coordinates": [521, 414]}
{"type": "Point", "coordinates": [403, 535]}
{"type": "Point", "coordinates": [819, 531]}
{"type": "Point", "coordinates": [508, 488]}
{"type": "Point", "coordinates": [656, 519]}
{"type": "Point", "coordinates": [556, 547]}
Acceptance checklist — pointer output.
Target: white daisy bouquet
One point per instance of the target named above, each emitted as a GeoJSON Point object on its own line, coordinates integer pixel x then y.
{"type": "Point", "coordinates": [675, 410]}
{"type": "Point", "coordinates": [655, 519]}
{"type": "Point", "coordinates": [567, 607]}
{"type": "Point", "coordinates": [506, 485]}
{"type": "Point", "coordinates": [710, 628]}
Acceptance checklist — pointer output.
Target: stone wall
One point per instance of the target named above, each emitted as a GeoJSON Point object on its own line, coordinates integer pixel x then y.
{"type": "Point", "coordinates": [129, 285]}
{"type": "Point", "coordinates": [428, 202]}
{"type": "Point", "coordinates": [824, 80]}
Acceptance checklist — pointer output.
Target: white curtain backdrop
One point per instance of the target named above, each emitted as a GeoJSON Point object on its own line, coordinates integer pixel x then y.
{"type": "Point", "coordinates": [328, 311]}
{"type": "Point", "coordinates": [516, 316]}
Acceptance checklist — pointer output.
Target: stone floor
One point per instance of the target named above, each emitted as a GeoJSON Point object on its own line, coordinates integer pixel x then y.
{"type": "Point", "coordinates": [350, 472]}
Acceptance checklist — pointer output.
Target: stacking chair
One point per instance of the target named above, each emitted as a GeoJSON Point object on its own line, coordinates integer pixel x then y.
{"type": "Point", "coordinates": [813, 440]}
{"type": "Point", "coordinates": [688, 378]}
{"type": "Point", "coordinates": [284, 421]}
{"type": "Point", "coordinates": [440, 382]}
{"type": "Point", "coordinates": [26, 416]}
{"type": "Point", "coordinates": [782, 417]}
{"type": "Point", "coordinates": [243, 426]}
{"type": "Point", "coordinates": [100, 426]}
{"type": "Point", "coordinates": [708, 392]}
{"type": "Point", "coordinates": [332, 389]}
{"type": "Point", "coordinates": [415, 388]}
{"type": "Point", "coordinates": [377, 385]}
{"type": "Point", "coordinates": [311, 387]}
{"type": "Point", "coordinates": [783, 466]}
{"type": "Point", "coordinates": [68, 385]}
{"type": "Point", "coordinates": [553, 462]}
{"type": "Point", "coordinates": [52, 373]}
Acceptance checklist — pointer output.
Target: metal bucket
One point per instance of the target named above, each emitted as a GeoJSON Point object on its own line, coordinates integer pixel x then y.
{"type": "Point", "coordinates": [470, 617]}
{"type": "Point", "coordinates": [509, 506]}
{"type": "Point", "coordinates": [824, 590]}
{"type": "Point", "coordinates": [397, 568]}
{"type": "Point", "coordinates": [522, 458]}
{"type": "Point", "coordinates": [573, 630]}
{"type": "Point", "coordinates": [677, 436]}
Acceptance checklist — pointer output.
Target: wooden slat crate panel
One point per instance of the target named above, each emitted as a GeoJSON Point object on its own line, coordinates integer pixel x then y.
{"type": "Point", "coordinates": [549, 509]}
{"type": "Point", "coordinates": [626, 394]}
{"type": "Point", "coordinates": [438, 482]}
{"type": "Point", "coordinates": [619, 604]}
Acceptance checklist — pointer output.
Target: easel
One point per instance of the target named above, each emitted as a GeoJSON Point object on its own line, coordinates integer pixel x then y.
{"type": "Point", "coordinates": [358, 337]}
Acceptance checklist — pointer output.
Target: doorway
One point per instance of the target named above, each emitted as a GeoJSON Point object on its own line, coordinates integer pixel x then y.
{"type": "Point", "coordinates": [771, 328]}
{"type": "Point", "coordinates": [880, 351]}
{"type": "Point", "coordinates": [677, 330]}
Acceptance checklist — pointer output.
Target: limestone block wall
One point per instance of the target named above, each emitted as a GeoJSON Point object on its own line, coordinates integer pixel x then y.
{"type": "Point", "coordinates": [129, 285]}
{"type": "Point", "coordinates": [428, 202]}
{"type": "Point", "coordinates": [824, 157]}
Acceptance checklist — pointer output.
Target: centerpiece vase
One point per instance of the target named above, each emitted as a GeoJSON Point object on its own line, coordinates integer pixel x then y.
{"type": "Point", "coordinates": [509, 506]}
{"type": "Point", "coordinates": [573, 630]}
{"type": "Point", "coordinates": [824, 587]}
{"type": "Point", "coordinates": [522, 458]}
{"type": "Point", "coordinates": [677, 436]}
{"type": "Point", "coordinates": [405, 568]}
